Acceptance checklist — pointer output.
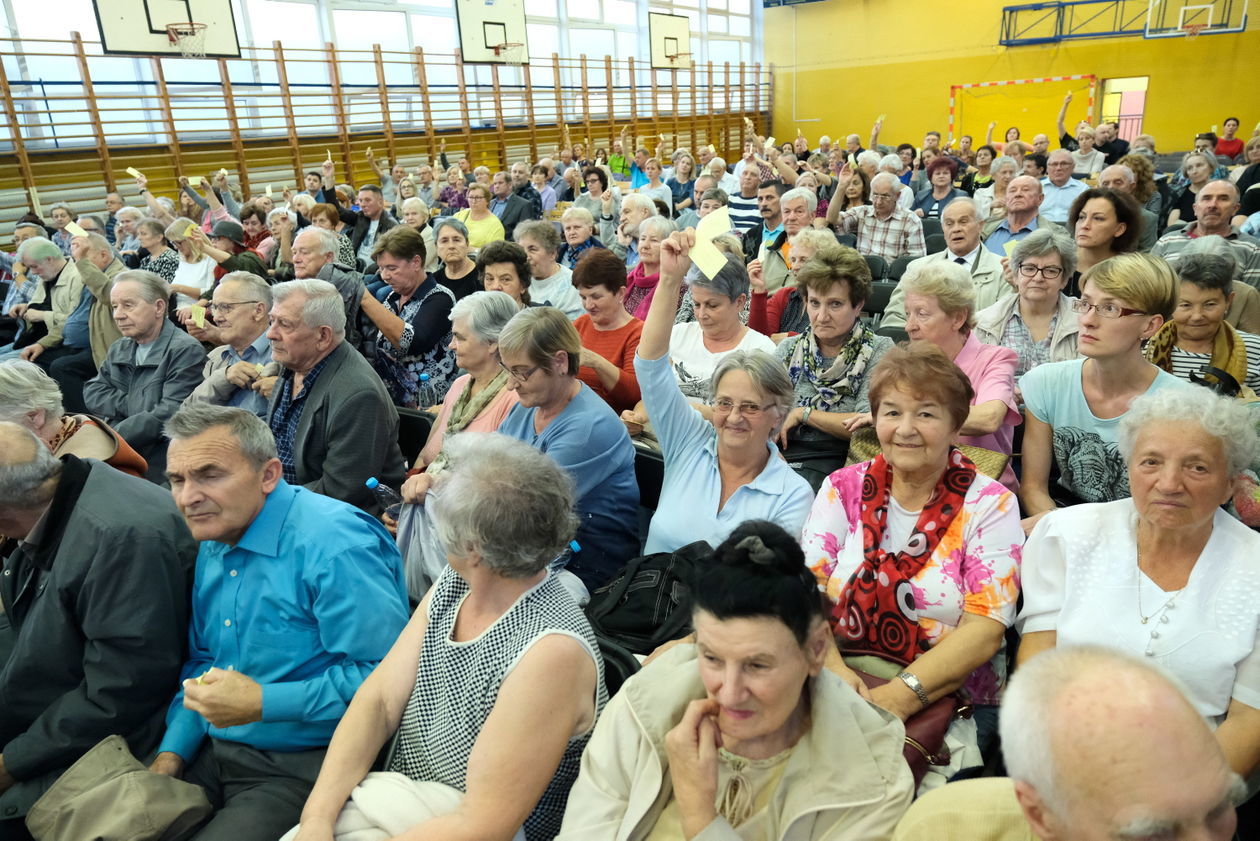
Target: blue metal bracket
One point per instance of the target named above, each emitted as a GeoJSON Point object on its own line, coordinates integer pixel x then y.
{"type": "Point", "coordinates": [1076, 20]}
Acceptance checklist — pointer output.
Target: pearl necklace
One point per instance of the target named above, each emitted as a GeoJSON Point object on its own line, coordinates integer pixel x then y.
{"type": "Point", "coordinates": [1161, 612]}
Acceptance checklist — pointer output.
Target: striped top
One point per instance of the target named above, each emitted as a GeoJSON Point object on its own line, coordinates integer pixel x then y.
{"type": "Point", "coordinates": [1184, 363]}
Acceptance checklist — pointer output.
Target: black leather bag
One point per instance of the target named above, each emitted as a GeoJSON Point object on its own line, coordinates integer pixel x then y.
{"type": "Point", "coordinates": [648, 603]}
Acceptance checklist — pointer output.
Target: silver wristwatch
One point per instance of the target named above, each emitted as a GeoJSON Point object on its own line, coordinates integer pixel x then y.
{"type": "Point", "coordinates": [915, 687]}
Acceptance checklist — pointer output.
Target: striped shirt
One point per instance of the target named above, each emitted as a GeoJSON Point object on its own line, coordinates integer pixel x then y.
{"type": "Point", "coordinates": [1185, 363]}
{"type": "Point", "coordinates": [744, 213]}
{"type": "Point", "coordinates": [1245, 250]}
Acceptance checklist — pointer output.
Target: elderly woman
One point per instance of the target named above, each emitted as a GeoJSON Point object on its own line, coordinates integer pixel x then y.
{"type": "Point", "coordinates": [982, 175]}
{"type": "Point", "coordinates": [932, 201]}
{"type": "Point", "coordinates": [1197, 167]}
{"type": "Point", "coordinates": [415, 214]}
{"type": "Point", "coordinates": [1073, 408]}
{"type": "Point", "coordinates": [743, 734]}
{"type": "Point", "coordinates": [325, 216]}
{"type": "Point", "coordinates": [504, 267]}
{"type": "Point", "coordinates": [483, 226]}
{"type": "Point", "coordinates": [31, 398]}
{"type": "Point", "coordinates": [643, 278]}
{"type": "Point", "coordinates": [454, 195]}
{"type": "Point", "coordinates": [557, 413]}
{"type": "Point", "coordinates": [991, 200]}
{"type": "Point", "coordinates": [160, 259]}
{"type": "Point", "coordinates": [579, 236]}
{"type": "Point", "coordinates": [1198, 337]}
{"type": "Point", "coordinates": [1105, 223]}
{"type": "Point", "coordinates": [412, 323]}
{"type": "Point", "coordinates": [479, 399]}
{"type": "Point", "coordinates": [1166, 574]}
{"type": "Point", "coordinates": [551, 283]}
{"type": "Point", "coordinates": [195, 275]}
{"type": "Point", "coordinates": [1038, 323]}
{"type": "Point", "coordinates": [830, 364]}
{"type": "Point", "coordinates": [610, 335]}
{"type": "Point", "coordinates": [492, 688]}
{"type": "Point", "coordinates": [458, 273]}
{"type": "Point", "coordinates": [919, 553]}
{"type": "Point", "coordinates": [783, 312]}
{"type": "Point", "coordinates": [940, 310]}
{"type": "Point", "coordinates": [257, 236]}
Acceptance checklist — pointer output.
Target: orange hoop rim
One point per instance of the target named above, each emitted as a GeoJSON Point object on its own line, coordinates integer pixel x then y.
{"type": "Point", "coordinates": [1193, 30]}
{"type": "Point", "coordinates": [184, 29]}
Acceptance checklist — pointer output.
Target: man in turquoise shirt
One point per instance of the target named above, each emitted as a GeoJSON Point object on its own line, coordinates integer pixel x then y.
{"type": "Point", "coordinates": [296, 599]}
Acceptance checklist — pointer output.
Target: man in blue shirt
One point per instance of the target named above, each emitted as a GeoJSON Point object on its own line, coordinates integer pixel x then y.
{"type": "Point", "coordinates": [297, 597]}
{"type": "Point", "coordinates": [1023, 198]}
{"type": "Point", "coordinates": [1059, 187]}
{"type": "Point", "coordinates": [240, 372]}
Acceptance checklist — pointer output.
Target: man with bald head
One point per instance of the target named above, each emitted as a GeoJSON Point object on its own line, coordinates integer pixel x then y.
{"type": "Point", "coordinates": [1023, 202]}
{"type": "Point", "coordinates": [1214, 209]}
{"type": "Point", "coordinates": [1120, 178]}
{"type": "Point", "coordinates": [97, 571]}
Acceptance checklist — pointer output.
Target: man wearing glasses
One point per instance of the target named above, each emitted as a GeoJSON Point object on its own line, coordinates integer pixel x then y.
{"type": "Point", "coordinates": [882, 227]}
{"type": "Point", "coordinates": [240, 372]}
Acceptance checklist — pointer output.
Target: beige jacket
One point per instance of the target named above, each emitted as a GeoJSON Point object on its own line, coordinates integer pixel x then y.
{"type": "Point", "coordinates": [65, 300]}
{"type": "Point", "coordinates": [102, 330]}
{"type": "Point", "coordinates": [846, 778]}
{"type": "Point", "coordinates": [991, 323]}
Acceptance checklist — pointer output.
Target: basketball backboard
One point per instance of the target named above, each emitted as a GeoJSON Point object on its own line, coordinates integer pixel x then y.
{"type": "Point", "coordinates": [670, 37]}
{"type": "Point", "coordinates": [492, 31]}
{"type": "Point", "coordinates": [1190, 18]}
{"type": "Point", "coordinates": [138, 27]}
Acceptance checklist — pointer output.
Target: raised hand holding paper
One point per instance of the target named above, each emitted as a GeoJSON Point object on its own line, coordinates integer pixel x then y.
{"type": "Point", "coordinates": [74, 230]}
{"type": "Point", "coordinates": [133, 172]}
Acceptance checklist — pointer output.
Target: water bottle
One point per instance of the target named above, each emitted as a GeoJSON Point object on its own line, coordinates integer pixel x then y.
{"type": "Point", "coordinates": [427, 395]}
{"type": "Point", "coordinates": [387, 497]}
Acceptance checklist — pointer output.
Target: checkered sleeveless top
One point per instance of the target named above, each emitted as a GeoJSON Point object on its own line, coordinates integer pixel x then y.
{"type": "Point", "coordinates": [457, 684]}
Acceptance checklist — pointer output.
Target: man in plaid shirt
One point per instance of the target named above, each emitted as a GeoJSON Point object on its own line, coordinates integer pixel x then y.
{"type": "Point", "coordinates": [881, 227]}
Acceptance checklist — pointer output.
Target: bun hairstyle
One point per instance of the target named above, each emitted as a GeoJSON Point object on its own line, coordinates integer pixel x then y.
{"type": "Point", "coordinates": [760, 571]}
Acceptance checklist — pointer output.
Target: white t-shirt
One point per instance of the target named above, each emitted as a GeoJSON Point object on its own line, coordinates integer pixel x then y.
{"type": "Point", "coordinates": [1080, 580]}
{"type": "Point", "coordinates": [558, 291]}
{"type": "Point", "coordinates": [197, 275]}
{"type": "Point", "coordinates": [693, 363]}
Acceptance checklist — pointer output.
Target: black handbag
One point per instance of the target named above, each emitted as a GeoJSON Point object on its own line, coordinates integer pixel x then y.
{"type": "Point", "coordinates": [648, 603]}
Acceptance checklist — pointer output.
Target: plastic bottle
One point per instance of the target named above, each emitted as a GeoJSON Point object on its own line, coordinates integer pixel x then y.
{"type": "Point", "coordinates": [427, 395]}
{"type": "Point", "coordinates": [390, 501]}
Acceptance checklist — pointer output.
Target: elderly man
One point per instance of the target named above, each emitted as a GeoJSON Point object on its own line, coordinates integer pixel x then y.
{"type": "Point", "coordinates": [883, 228]}
{"type": "Point", "coordinates": [297, 597]}
{"type": "Point", "coordinates": [22, 284]}
{"type": "Point", "coordinates": [796, 211]}
{"type": "Point", "coordinates": [507, 205]}
{"type": "Point", "coordinates": [113, 203]}
{"type": "Point", "coordinates": [853, 145]}
{"type": "Point", "coordinates": [334, 423]}
{"type": "Point", "coordinates": [1121, 179]}
{"type": "Point", "coordinates": [690, 217]}
{"type": "Point", "coordinates": [239, 373]}
{"type": "Point", "coordinates": [1041, 144]}
{"type": "Point", "coordinates": [1059, 189]}
{"type": "Point", "coordinates": [53, 302]}
{"type": "Point", "coordinates": [716, 167]}
{"type": "Point", "coordinates": [1023, 202]}
{"type": "Point", "coordinates": [634, 209]}
{"type": "Point", "coordinates": [148, 372]}
{"type": "Point", "coordinates": [97, 266]}
{"type": "Point", "coordinates": [1107, 141]}
{"type": "Point", "coordinates": [125, 239]}
{"type": "Point", "coordinates": [523, 187]}
{"type": "Point", "coordinates": [426, 190]}
{"type": "Point", "coordinates": [770, 209]}
{"type": "Point", "coordinates": [315, 257]}
{"type": "Point", "coordinates": [1214, 208]}
{"type": "Point", "coordinates": [1070, 741]}
{"type": "Point", "coordinates": [961, 225]}
{"type": "Point", "coordinates": [97, 566]}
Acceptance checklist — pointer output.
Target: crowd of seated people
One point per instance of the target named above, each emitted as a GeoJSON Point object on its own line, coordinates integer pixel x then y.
{"type": "Point", "coordinates": [921, 402]}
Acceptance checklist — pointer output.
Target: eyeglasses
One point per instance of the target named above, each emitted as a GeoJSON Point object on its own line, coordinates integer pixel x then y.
{"type": "Point", "coordinates": [228, 306]}
{"type": "Point", "coordinates": [519, 376]}
{"type": "Point", "coordinates": [1104, 310]}
{"type": "Point", "coordinates": [1048, 272]}
{"type": "Point", "coordinates": [724, 406]}
{"type": "Point", "coordinates": [883, 196]}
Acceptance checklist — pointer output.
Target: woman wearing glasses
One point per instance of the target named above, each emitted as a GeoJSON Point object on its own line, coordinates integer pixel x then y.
{"type": "Point", "coordinates": [483, 226]}
{"type": "Point", "coordinates": [1038, 323]}
{"type": "Point", "coordinates": [723, 471]}
{"type": "Point", "coordinates": [1074, 408]}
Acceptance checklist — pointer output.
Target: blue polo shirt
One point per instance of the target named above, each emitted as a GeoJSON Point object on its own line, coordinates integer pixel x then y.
{"type": "Point", "coordinates": [307, 603]}
{"type": "Point", "coordinates": [1002, 234]}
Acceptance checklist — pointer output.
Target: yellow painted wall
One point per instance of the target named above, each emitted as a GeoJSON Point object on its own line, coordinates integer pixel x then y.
{"type": "Point", "coordinates": [841, 63]}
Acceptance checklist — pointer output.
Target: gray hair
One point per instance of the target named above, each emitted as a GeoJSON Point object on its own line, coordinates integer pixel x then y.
{"type": "Point", "coordinates": [100, 223]}
{"type": "Point", "coordinates": [1209, 246]}
{"type": "Point", "coordinates": [323, 306]}
{"type": "Point", "coordinates": [869, 156]}
{"type": "Point", "coordinates": [579, 213]}
{"type": "Point", "coordinates": [882, 178]}
{"type": "Point", "coordinates": [151, 225]}
{"type": "Point", "coordinates": [946, 281]}
{"type": "Point", "coordinates": [1059, 153]}
{"type": "Point", "coordinates": [811, 198]}
{"type": "Point", "coordinates": [25, 387]}
{"type": "Point", "coordinates": [514, 541]}
{"type": "Point", "coordinates": [251, 284]}
{"type": "Point", "coordinates": [486, 313]}
{"type": "Point", "coordinates": [658, 225]}
{"type": "Point", "coordinates": [1124, 171]}
{"type": "Point", "coordinates": [731, 280]}
{"type": "Point", "coordinates": [540, 231]}
{"type": "Point", "coordinates": [24, 484]}
{"type": "Point", "coordinates": [767, 374]}
{"type": "Point", "coordinates": [1225, 419]}
{"type": "Point", "coordinates": [253, 437]}
{"type": "Point", "coordinates": [128, 213]}
{"type": "Point", "coordinates": [716, 161]}
{"type": "Point", "coordinates": [716, 194]}
{"type": "Point", "coordinates": [452, 223]}
{"type": "Point", "coordinates": [1045, 240]}
{"type": "Point", "coordinates": [415, 203]}
{"type": "Point", "coordinates": [325, 239]}
{"type": "Point", "coordinates": [152, 287]}
{"type": "Point", "coordinates": [99, 244]}
{"type": "Point", "coordinates": [284, 211]}
{"type": "Point", "coordinates": [60, 206]}
{"type": "Point", "coordinates": [964, 201]}
{"type": "Point", "coordinates": [38, 248]}
{"type": "Point", "coordinates": [641, 201]}
{"type": "Point", "coordinates": [891, 163]}
{"type": "Point", "coordinates": [1001, 162]}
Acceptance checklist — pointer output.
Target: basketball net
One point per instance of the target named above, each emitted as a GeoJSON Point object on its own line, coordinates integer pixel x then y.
{"type": "Point", "coordinates": [510, 53]}
{"type": "Point", "coordinates": [189, 37]}
{"type": "Point", "coordinates": [1193, 30]}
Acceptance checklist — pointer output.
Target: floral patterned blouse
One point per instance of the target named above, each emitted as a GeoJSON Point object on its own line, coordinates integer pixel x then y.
{"type": "Point", "coordinates": [975, 568]}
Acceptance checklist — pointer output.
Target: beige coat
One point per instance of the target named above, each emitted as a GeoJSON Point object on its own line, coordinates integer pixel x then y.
{"type": "Point", "coordinates": [991, 323]}
{"type": "Point", "coordinates": [846, 778]}
{"type": "Point", "coordinates": [65, 300]}
{"type": "Point", "coordinates": [102, 330]}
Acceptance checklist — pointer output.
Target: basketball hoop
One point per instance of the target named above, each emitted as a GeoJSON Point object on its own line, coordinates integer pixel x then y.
{"type": "Point", "coordinates": [189, 37]}
{"type": "Point", "coordinates": [510, 52]}
{"type": "Point", "coordinates": [1193, 30]}
{"type": "Point", "coordinates": [673, 57]}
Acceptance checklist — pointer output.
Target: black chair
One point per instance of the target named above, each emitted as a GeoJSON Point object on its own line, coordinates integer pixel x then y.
{"type": "Point", "coordinates": [931, 227]}
{"type": "Point", "coordinates": [881, 291]}
{"type": "Point", "coordinates": [413, 432]}
{"type": "Point", "coordinates": [619, 664]}
{"type": "Point", "coordinates": [898, 267]}
{"type": "Point", "coordinates": [847, 239]}
{"type": "Point", "coordinates": [935, 243]}
{"type": "Point", "coordinates": [897, 334]}
{"type": "Point", "coordinates": [649, 472]}
{"type": "Point", "coordinates": [878, 266]}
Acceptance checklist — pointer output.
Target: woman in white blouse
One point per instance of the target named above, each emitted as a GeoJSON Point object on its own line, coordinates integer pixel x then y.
{"type": "Point", "coordinates": [1166, 574]}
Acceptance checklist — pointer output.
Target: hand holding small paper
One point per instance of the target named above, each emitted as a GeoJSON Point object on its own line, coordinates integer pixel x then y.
{"type": "Point", "coordinates": [198, 315]}
{"type": "Point", "coordinates": [704, 253]}
{"type": "Point", "coordinates": [73, 229]}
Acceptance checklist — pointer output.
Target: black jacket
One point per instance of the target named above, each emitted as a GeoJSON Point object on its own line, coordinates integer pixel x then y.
{"type": "Point", "coordinates": [517, 211]}
{"type": "Point", "coordinates": [99, 608]}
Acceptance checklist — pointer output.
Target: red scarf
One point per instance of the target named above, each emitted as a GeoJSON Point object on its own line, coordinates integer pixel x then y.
{"type": "Point", "coordinates": [877, 613]}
